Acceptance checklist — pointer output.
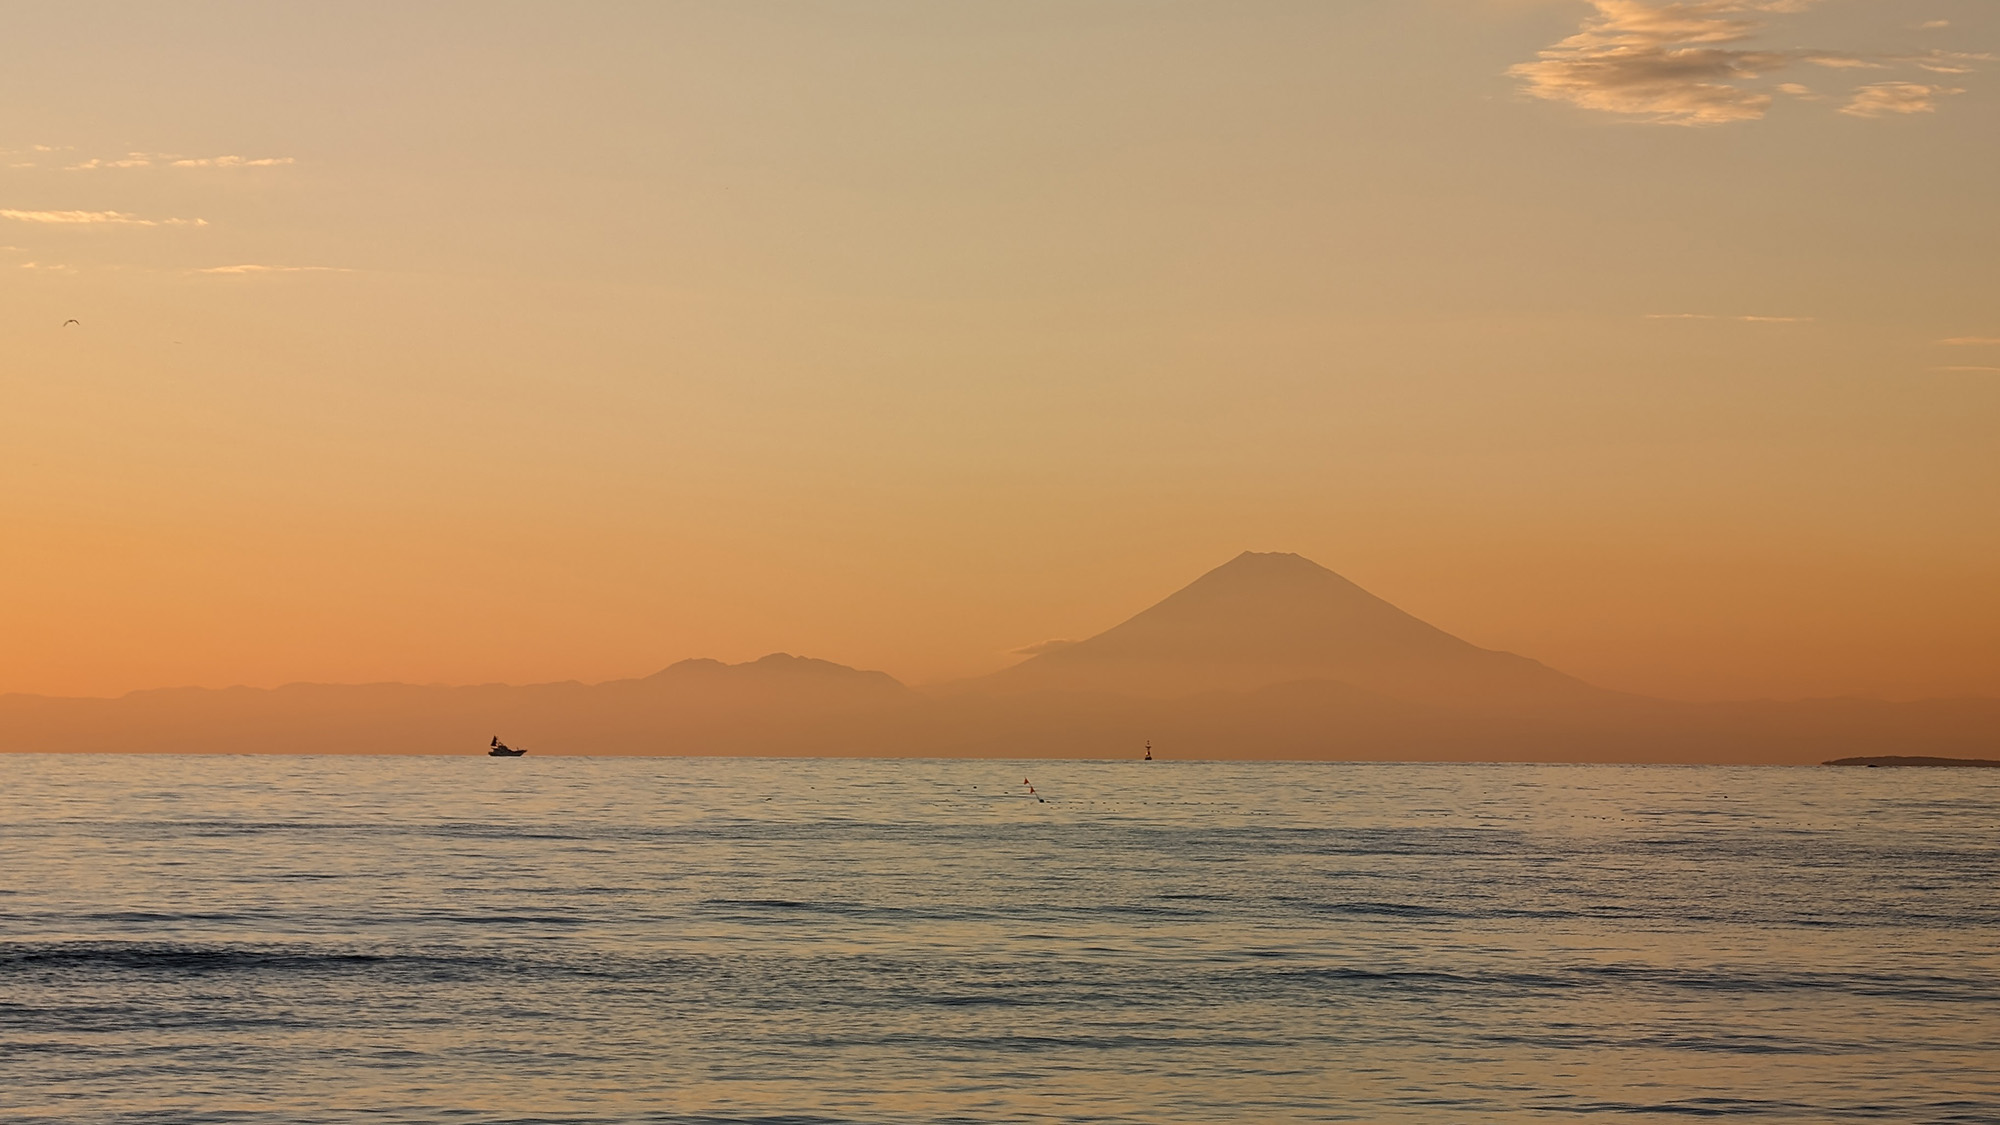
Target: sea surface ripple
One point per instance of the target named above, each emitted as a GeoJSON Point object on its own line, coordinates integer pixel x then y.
{"type": "Point", "coordinates": [816, 942]}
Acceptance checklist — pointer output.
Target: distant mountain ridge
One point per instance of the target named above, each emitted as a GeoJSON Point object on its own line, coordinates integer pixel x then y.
{"type": "Point", "coordinates": [795, 668]}
{"type": "Point", "coordinates": [1267, 656]}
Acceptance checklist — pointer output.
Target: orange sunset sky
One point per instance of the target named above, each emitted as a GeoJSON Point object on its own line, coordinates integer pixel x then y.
{"type": "Point", "coordinates": [468, 342]}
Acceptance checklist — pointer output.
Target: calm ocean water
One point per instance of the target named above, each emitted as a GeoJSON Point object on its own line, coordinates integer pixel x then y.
{"type": "Point", "coordinates": [390, 940]}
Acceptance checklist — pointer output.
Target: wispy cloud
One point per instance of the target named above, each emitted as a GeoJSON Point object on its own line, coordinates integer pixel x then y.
{"type": "Point", "coordinates": [1743, 319]}
{"type": "Point", "coordinates": [1948, 62]}
{"type": "Point", "coordinates": [136, 160]}
{"type": "Point", "coordinates": [176, 160]}
{"type": "Point", "coordinates": [1884, 99]}
{"type": "Point", "coordinates": [1835, 61]}
{"type": "Point", "coordinates": [273, 269]}
{"type": "Point", "coordinates": [96, 218]}
{"type": "Point", "coordinates": [1972, 341]}
{"type": "Point", "coordinates": [231, 162]}
{"type": "Point", "coordinates": [1692, 62]}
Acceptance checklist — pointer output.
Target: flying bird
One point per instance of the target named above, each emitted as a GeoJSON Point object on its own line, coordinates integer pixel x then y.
{"type": "Point", "coordinates": [72, 320]}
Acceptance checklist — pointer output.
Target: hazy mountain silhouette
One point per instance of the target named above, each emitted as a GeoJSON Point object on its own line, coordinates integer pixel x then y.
{"type": "Point", "coordinates": [1267, 656]}
{"type": "Point", "coordinates": [779, 704]}
{"type": "Point", "coordinates": [780, 672]}
{"type": "Point", "coordinates": [1265, 619]}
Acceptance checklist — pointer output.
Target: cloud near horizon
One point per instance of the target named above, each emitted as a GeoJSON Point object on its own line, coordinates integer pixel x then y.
{"type": "Point", "coordinates": [1688, 62]}
{"type": "Point", "coordinates": [96, 218]}
{"type": "Point", "coordinates": [1971, 341]}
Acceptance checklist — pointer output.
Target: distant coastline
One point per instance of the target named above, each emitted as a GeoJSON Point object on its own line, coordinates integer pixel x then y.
{"type": "Point", "coordinates": [1900, 760]}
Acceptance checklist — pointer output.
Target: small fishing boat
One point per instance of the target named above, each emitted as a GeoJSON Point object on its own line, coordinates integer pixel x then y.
{"type": "Point", "coordinates": [502, 750]}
